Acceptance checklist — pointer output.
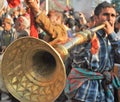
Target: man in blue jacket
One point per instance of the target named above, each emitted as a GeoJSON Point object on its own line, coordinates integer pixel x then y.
{"type": "Point", "coordinates": [91, 78]}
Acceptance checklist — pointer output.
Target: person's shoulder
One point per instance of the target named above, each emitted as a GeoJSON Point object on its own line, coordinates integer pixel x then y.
{"type": "Point", "coordinates": [118, 33]}
{"type": "Point", "coordinates": [1, 28]}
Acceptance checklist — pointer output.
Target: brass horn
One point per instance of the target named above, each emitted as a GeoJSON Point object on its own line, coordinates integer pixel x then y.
{"type": "Point", "coordinates": [34, 71]}
{"type": "Point", "coordinates": [80, 38]}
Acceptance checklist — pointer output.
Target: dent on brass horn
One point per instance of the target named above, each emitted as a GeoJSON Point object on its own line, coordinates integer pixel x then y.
{"type": "Point", "coordinates": [34, 71]}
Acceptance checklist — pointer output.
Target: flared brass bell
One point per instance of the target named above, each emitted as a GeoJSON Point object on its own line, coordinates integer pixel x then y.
{"type": "Point", "coordinates": [33, 71]}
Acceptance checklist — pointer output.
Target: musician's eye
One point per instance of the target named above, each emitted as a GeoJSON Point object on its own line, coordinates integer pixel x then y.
{"type": "Point", "coordinates": [109, 14]}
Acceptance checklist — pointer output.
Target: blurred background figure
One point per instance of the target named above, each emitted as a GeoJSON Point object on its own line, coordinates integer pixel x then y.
{"type": "Point", "coordinates": [8, 34]}
{"type": "Point", "coordinates": [91, 22]}
{"type": "Point", "coordinates": [22, 26]}
{"type": "Point", "coordinates": [117, 25]}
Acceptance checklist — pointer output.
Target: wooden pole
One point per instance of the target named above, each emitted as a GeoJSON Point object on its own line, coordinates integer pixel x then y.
{"type": "Point", "coordinates": [47, 8]}
{"type": "Point", "coordinates": [67, 2]}
{"type": "Point", "coordinates": [39, 3]}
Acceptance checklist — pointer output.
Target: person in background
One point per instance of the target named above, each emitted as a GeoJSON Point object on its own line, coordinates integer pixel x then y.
{"type": "Point", "coordinates": [56, 31]}
{"type": "Point", "coordinates": [91, 22]}
{"type": "Point", "coordinates": [82, 19]}
{"type": "Point", "coordinates": [117, 26]}
{"type": "Point", "coordinates": [8, 34]}
{"type": "Point", "coordinates": [117, 30]}
{"type": "Point", "coordinates": [91, 78]}
{"type": "Point", "coordinates": [22, 26]}
{"type": "Point", "coordinates": [70, 25]}
{"type": "Point", "coordinates": [56, 19]}
{"type": "Point", "coordinates": [15, 14]}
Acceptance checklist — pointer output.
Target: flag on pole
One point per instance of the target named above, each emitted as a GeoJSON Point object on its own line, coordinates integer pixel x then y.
{"type": "Point", "coordinates": [33, 29]}
{"type": "Point", "coordinates": [13, 3]}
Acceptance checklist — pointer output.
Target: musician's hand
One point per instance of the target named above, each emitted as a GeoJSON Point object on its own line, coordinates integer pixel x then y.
{"type": "Point", "coordinates": [33, 4]}
{"type": "Point", "coordinates": [30, 1]}
{"type": "Point", "coordinates": [109, 27]}
{"type": "Point", "coordinates": [59, 40]}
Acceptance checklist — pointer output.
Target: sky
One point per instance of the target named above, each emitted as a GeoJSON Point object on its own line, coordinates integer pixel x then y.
{"type": "Point", "coordinates": [23, 0]}
{"type": "Point", "coordinates": [107, 0]}
{"type": "Point", "coordinates": [5, 3]}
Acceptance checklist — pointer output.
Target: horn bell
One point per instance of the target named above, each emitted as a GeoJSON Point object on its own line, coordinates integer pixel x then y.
{"type": "Point", "coordinates": [33, 70]}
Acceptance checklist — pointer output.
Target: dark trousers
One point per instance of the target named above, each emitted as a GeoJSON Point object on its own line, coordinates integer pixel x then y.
{"type": "Point", "coordinates": [62, 98]}
{"type": "Point", "coordinates": [10, 97]}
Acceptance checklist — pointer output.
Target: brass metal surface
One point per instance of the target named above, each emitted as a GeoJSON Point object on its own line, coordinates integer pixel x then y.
{"type": "Point", "coordinates": [33, 71]}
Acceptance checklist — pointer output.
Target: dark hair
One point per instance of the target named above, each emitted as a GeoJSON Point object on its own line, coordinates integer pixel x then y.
{"type": "Point", "coordinates": [70, 22]}
{"type": "Point", "coordinates": [92, 18]}
{"type": "Point", "coordinates": [118, 19]}
{"type": "Point", "coordinates": [102, 5]}
{"type": "Point", "coordinates": [51, 13]}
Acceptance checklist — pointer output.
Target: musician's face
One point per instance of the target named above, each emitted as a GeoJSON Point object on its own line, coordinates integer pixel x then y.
{"type": "Point", "coordinates": [107, 14]}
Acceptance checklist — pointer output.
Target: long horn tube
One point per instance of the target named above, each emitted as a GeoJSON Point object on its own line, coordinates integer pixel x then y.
{"type": "Point", "coordinates": [30, 67]}
{"type": "Point", "coordinates": [80, 38]}
{"type": "Point", "coordinates": [98, 28]}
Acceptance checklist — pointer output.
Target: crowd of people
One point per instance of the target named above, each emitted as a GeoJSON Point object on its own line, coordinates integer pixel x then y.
{"type": "Point", "coordinates": [90, 76]}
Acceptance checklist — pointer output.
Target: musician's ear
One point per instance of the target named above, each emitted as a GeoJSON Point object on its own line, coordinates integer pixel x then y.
{"type": "Point", "coordinates": [95, 17]}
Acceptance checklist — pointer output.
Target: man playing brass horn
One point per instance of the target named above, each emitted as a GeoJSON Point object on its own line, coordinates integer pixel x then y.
{"type": "Point", "coordinates": [91, 78]}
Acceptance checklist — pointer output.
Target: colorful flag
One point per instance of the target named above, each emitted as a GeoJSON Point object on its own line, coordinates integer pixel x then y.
{"type": "Point", "coordinates": [33, 29]}
{"type": "Point", "coordinates": [13, 3]}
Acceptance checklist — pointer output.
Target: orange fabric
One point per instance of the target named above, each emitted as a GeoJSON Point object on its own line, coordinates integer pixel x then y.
{"type": "Point", "coordinates": [95, 44]}
{"type": "Point", "coordinates": [33, 29]}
